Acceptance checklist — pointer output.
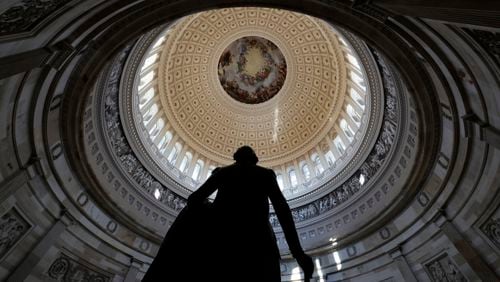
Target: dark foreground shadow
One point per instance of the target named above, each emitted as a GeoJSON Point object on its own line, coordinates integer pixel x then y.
{"type": "Point", "coordinates": [232, 238]}
{"type": "Point", "coordinates": [183, 253]}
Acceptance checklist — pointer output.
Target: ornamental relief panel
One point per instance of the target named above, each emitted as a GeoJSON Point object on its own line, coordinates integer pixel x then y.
{"type": "Point", "coordinates": [12, 229]}
{"type": "Point", "coordinates": [66, 269]}
{"type": "Point", "coordinates": [444, 269]}
{"type": "Point", "coordinates": [28, 14]}
{"type": "Point", "coordinates": [491, 229]}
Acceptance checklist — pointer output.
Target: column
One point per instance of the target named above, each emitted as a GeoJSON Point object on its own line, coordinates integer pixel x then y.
{"type": "Point", "coordinates": [336, 153]}
{"type": "Point", "coordinates": [354, 105]}
{"type": "Point", "coordinates": [149, 103]}
{"type": "Point", "coordinates": [402, 265]}
{"type": "Point", "coordinates": [161, 134]}
{"type": "Point", "coordinates": [286, 178]}
{"type": "Point", "coordinates": [352, 124]}
{"type": "Point", "coordinates": [135, 266]}
{"type": "Point", "coordinates": [331, 137]}
{"type": "Point", "coordinates": [322, 159]}
{"type": "Point", "coordinates": [153, 120]}
{"type": "Point", "coordinates": [301, 178]}
{"type": "Point", "coordinates": [181, 155]}
{"type": "Point", "coordinates": [192, 164]}
{"type": "Point", "coordinates": [204, 170]}
{"type": "Point", "coordinates": [171, 144]}
{"type": "Point", "coordinates": [356, 87]}
{"type": "Point", "coordinates": [312, 166]}
{"type": "Point", "coordinates": [150, 67]}
{"type": "Point", "coordinates": [342, 136]}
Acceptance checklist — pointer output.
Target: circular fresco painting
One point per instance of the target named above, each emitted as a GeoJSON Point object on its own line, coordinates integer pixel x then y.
{"type": "Point", "coordinates": [252, 70]}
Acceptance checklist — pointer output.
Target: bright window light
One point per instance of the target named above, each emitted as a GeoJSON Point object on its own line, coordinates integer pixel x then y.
{"type": "Point", "coordinates": [145, 79]}
{"type": "Point", "coordinates": [159, 41]}
{"type": "Point", "coordinates": [296, 274]}
{"type": "Point", "coordinates": [337, 260]}
{"type": "Point", "coordinates": [319, 271]}
{"type": "Point", "coordinates": [157, 194]}
{"type": "Point", "coordinates": [149, 61]}
{"type": "Point", "coordinates": [353, 61]}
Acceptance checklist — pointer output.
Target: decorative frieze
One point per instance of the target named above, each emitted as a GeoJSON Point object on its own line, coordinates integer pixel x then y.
{"type": "Point", "coordinates": [121, 148]}
{"type": "Point", "coordinates": [12, 228]}
{"type": "Point", "coordinates": [129, 161]}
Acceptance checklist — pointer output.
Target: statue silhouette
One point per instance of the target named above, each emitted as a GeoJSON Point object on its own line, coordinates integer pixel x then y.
{"type": "Point", "coordinates": [232, 238]}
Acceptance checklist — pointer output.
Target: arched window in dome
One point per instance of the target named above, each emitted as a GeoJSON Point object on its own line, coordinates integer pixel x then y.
{"type": "Point", "coordinates": [339, 144]}
{"type": "Point", "coordinates": [279, 179]}
{"type": "Point", "coordinates": [330, 158]}
{"type": "Point", "coordinates": [358, 80]}
{"type": "Point", "coordinates": [145, 79]}
{"type": "Point", "coordinates": [186, 160]}
{"type": "Point", "coordinates": [174, 153]}
{"type": "Point", "coordinates": [353, 114]}
{"type": "Point", "coordinates": [357, 98]}
{"type": "Point", "coordinates": [317, 163]}
{"type": "Point", "coordinates": [293, 177]}
{"type": "Point", "coordinates": [149, 61]}
{"type": "Point", "coordinates": [155, 130]}
{"type": "Point", "coordinates": [165, 141]}
{"type": "Point", "coordinates": [342, 41]}
{"type": "Point", "coordinates": [305, 170]}
{"type": "Point", "coordinates": [347, 130]}
{"type": "Point", "coordinates": [197, 169]}
{"type": "Point", "coordinates": [150, 113]}
{"type": "Point", "coordinates": [159, 41]}
{"type": "Point", "coordinates": [353, 61]}
{"type": "Point", "coordinates": [146, 97]}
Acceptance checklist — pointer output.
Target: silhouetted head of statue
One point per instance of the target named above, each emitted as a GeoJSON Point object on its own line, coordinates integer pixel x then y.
{"type": "Point", "coordinates": [245, 154]}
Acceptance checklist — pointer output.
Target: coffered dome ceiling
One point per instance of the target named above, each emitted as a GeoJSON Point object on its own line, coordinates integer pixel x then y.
{"type": "Point", "coordinates": [281, 129]}
{"type": "Point", "coordinates": [289, 85]}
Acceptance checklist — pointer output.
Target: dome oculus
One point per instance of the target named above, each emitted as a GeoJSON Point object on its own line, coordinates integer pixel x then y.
{"type": "Point", "coordinates": [252, 70]}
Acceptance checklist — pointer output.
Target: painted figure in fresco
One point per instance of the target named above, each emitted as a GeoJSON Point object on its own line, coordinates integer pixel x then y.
{"type": "Point", "coordinates": [259, 82]}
